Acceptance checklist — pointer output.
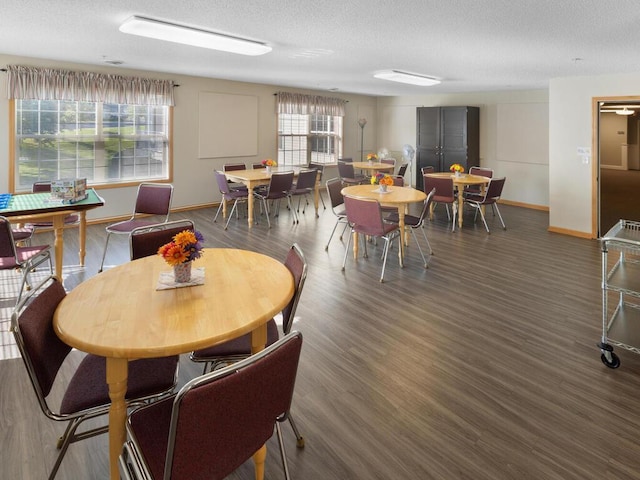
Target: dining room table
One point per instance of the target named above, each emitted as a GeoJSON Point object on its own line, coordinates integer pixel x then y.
{"type": "Point", "coordinates": [374, 167]}
{"type": "Point", "coordinates": [394, 196]}
{"type": "Point", "coordinates": [262, 176]}
{"type": "Point", "coordinates": [459, 182]}
{"type": "Point", "coordinates": [26, 207]}
{"type": "Point", "coordinates": [131, 312]}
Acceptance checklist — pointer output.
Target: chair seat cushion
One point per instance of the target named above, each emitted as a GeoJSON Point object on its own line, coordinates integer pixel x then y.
{"type": "Point", "coordinates": [20, 234]}
{"type": "Point", "coordinates": [27, 253]}
{"type": "Point", "coordinates": [237, 346]}
{"type": "Point", "coordinates": [128, 225]}
{"type": "Point", "coordinates": [88, 387]}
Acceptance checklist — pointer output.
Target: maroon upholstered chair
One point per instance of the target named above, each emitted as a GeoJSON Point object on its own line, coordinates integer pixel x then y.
{"type": "Point", "coordinates": [230, 167]}
{"type": "Point", "coordinates": [86, 395]}
{"type": "Point", "coordinates": [229, 195]}
{"type": "Point", "coordinates": [304, 186]}
{"type": "Point", "coordinates": [491, 196]}
{"type": "Point", "coordinates": [476, 189]}
{"type": "Point", "coordinates": [24, 258]}
{"type": "Point", "coordinates": [71, 220]}
{"type": "Point", "coordinates": [151, 199]}
{"type": "Point", "coordinates": [145, 241]}
{"type": "Point", "coordinates": [365, 217]}
{"type": "Point", "coordinates": [417, 223]}
{"type": "Point", "coordinates": [445, 193]}
{"type": "Point", "coordinates": [279, 187]}
{"type": "Point", "coordinates": [334, 190]}
{"type": "Point", "coordinates": [216, 421]}
{"type": "Point", "coordinates": [348, 176]}
{"type": "Point", "coordinates": [427, 169]}
{"type": "Point", "coordinates": [239, 348]}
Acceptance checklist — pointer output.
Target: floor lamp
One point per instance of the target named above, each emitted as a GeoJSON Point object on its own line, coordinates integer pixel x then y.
{"type": "Point", "coordinates": [362, 122]}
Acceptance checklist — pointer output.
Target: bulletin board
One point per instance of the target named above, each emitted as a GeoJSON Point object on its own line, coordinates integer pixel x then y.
{"type": "Point", "coordinates": [523, 133]}
{"type": "Point", "coordinates": [227, 125]}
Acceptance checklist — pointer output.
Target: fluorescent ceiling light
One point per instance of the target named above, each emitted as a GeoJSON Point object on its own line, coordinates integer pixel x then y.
{"type": "Point", "coordinates": [406, 77]}
{"type": "Point", "coordinates": [147, 27]}
{"type": "Point", "coordinates": [625, 111]}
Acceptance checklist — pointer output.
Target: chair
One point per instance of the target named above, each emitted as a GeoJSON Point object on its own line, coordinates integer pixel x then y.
{"type": "Point", "coordinates": [491, 196]}
{"type": "Point", "coordinates": [151, 199]}
{"type": "Point", "coordinates": [428, 169]}
{"type": "Point", "coordinates": [348, 176]}
{"type": "Point", "coordinates": [216, 421]}
{"type": "Point", "coordinates": [279, 187]}
{"type": "Point", "coordinates": [229, 167]}
{"type": "Point", "coordinates": [304, 186]}
{"type": "Point", "coordinates": [22, 235]}
{"type": "Point", "coordinates": [228, 195]}
{"type": "Point", "coordinates": [365, 217]}
{"type": "Point", "coordinates": [255, 166]}
{"type": "Point", "coordinates": [412, 222]}
{"type": "Point", "coordinates": [320, 168]}
{"type": "Point", "coordinates": [389, 161]}
{"type": "Point", "coordinates": [445, 193]}
{"type": "Point", "coordinates": [403, 169]}
{"type": "Point", "coordinates": [86, 394]}
{"type": "Point", "coordinates": [25, 258]}
{"type": "Point", "coordinates": [145, 241]}
{"type": "Point", "coordinates": [345, 160]}
{"type": "Point", "coordinates": [334, 190]}
{"type": "Point", "coordinates": [476, 189]}
{"type": "Point", "coordinates": [239, 348]}
{"type": "Point", "coordinates": [70, 220]}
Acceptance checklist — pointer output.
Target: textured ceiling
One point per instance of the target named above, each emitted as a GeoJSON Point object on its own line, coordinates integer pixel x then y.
{"type": "Point", "coordinates": [471, 45]}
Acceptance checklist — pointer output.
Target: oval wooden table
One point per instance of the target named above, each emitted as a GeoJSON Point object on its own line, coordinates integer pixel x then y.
{"type": "Point", "coordinates": [460, 182]}
{"type": "Point", "coordinates": [399, 197]}
{"type": "Point", "coordinates": [120, 315]}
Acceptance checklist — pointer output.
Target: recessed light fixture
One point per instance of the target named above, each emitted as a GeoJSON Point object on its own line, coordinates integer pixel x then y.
{"type": "Point", "coordinates": [407, 77]}
{"type": "Point", "coordinates": [170, 32]}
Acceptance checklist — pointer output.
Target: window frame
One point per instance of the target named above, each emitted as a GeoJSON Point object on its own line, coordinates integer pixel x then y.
{"type": "Point", "coordinates": [333, 135]}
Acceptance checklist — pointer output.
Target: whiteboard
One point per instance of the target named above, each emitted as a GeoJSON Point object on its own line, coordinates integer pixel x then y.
{"type": "Point", "coordinates": [227, 125]}
{"type": "Point", "coordinates": [523, 133]}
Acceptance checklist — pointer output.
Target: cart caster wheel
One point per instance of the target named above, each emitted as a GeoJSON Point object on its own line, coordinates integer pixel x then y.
{"type": "Point", "coordinates": [300, 442]}
{"type": "Point", "coordinates": [613, 362]}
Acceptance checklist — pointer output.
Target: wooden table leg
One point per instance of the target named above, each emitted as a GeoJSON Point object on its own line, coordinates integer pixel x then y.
{"type": "Point", "coordinates": [316, 196]}
{"type": "Point", "coordinates": [58, 243]}
{"type": "Point", "coordinates": [354, 239]}
{"type": "Point", "coordinates": [258, 341]}
{"type": "Point", "coordinates": [460, 208]}
{"type": "Point", "coordinates": [82, 234]}
{"type": "Point", "coordinates": [250, 205]}
{"type": "Point", "coordinates": [117, 371]}
{"type": "Point", "coordinates": [402, 233]}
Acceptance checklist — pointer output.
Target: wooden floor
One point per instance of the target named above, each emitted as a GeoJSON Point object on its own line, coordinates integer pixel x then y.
{"type": "Point", "coordinates": [482, 367]}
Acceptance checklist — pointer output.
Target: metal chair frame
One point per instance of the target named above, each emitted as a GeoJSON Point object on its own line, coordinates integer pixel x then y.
{"type": "Point", "coordinates": [334, 188]}
{"type": "Point", "coordinates": [159, 234]}
{"type": "Point", "coordinates": [491, 196]}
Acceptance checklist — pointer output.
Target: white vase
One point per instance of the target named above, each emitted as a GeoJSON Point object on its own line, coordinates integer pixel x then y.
{"type": "Point", "coordinates": [458, 174]}
{"type": "Point", "coordinates": [268, 169]}
{"type": "Point", "coordinates": [383, 188]}
{"type": "Point", "coordinates": [182, 272]}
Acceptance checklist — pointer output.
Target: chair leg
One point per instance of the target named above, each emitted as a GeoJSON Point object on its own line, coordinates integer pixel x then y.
{"type": "Point", "coordinates": [233, 208]}
{"type": "Point", "coordinates": [218, 211]}
{"type": "Point", "coordinates": [497, 210]}
{"type": "Point", "coordinates": [331, 236]}
{"type": "Point", "coordinates": [104, 253]}
{"type": "Point", "coordinates": [296, 432]}
{"type": "Point", "coordinates": [346, 252]}
{"type": "Point", "coordinates": [283, 455]}
{"type": "Point", "coordinates": [479, 208]}
{"type": "Point", "coordinates": [424, 234]}
{"type": "Point", "coordinates": [454, 207]}
{"type": "Point", "coordinates": [415, 238]}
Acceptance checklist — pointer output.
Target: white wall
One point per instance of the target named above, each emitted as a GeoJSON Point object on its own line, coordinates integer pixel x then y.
{"type": "Point", "coordinates": [193, 177]}
{"type": "Point", "coordinates": [570, 127]}
{"type": "Point", "coordinates": [514, 130]}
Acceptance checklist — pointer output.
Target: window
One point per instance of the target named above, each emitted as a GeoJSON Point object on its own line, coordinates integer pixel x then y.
{"type": "Point", "coordinates": [109, 129]}
{"type": "Point", "coordinates": [309, 129]}
{"type": "Point", "coordinates": [309, 138]}
{"type": "Point", "coordinates": [105, 143]}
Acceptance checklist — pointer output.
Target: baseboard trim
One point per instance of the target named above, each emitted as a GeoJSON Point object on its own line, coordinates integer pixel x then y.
{"type": "Point", "coordinates": [532, 206]}
{"type": "Point", "coordinates": [573, 233]}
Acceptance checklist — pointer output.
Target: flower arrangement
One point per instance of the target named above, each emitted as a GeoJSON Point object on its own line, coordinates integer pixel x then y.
{"type": "Point", "coordinates": [185, 247]}
{"type": "Point", "coordinates": [456, 167]}
{"type": "Point", "coordinates": [372, 157]}
{"type": "Point", "coordinates": [269, 162]}
{"type": "Point", "coordinates": [381, 179]}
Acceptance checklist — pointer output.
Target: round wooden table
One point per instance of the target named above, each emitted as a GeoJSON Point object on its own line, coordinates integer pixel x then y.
{"type": "Point", "coordinates": [399, 197]}
{"type": "Point", "coordinates": [374, 166]}
{"type": "Point", "coordinates": [459, 183]}
{"type": "Point", "coordinates": [120, 315]}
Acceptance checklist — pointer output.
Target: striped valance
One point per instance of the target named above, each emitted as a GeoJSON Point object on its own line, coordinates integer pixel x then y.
{"type": "Point", "coordinates": [53, 84]}
{"type": "Point", "coordinates": [301, 104]}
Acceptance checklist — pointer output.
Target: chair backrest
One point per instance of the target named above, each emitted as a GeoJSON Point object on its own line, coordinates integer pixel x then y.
{"type": "Point", "coordinates": [426, 206]}
{"type": "Point", "coordinates": [403, 169]}
{"type": "Point", "coordinates": [428, 169]}
{"type": "Point", "coordinates": [40, 187]}
{"type": "Point", "coordinates": [221, 180]}
{"type": "Point", "coordinates": [388, 161]}
{"type": "Point", "coordinates": [297, 265]}
{"type": "Point", "coordinates": [154, 199]}
{"type": "Point", "coordinates": [483, 172]}
{"type": "Point", "coordinates": [364, 215]}
{"type": "Point", "coordinates": [145, 241]}
{"type": "Point", "coordinates": [306, 179]}
{"type": "Point", "coordinates": [443, 186]}
{"type": "Point", "coordinates": [334, 190]}
{"type": "Point", "coordinates": [8, 256]}
{"type": "Point", "coordinates": [228, 167]}
{"type": "Point", "coordinates": [255, 166]}
{"type": "Point", "coordinates": [43, 353]}
{"type": "Point", "coordinates": [494, 189]}
{"type": "Point", "coordinates": [345, 160]}
{"type": "Point", "coordinates": [319, 167]}
{"type": "Point", "coordinates": [398, 180]}
{"type": "Point", "coordinates": [345, 170]}
{"type": "Point", "coordinates": [280, 182]}
{"type": "Point", "coordinates": [231, 411]}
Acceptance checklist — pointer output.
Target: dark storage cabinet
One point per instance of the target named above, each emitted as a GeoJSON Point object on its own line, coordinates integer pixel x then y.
{"type": "Point", "coordinates": [447, 135]}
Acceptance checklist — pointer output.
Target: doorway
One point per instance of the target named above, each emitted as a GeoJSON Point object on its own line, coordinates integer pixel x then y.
{"type": "Point", "coordinates": [617, 161]}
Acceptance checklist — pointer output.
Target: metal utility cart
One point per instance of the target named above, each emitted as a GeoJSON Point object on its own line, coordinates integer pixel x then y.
{"type": "Point", "coordinates": [621, 327]}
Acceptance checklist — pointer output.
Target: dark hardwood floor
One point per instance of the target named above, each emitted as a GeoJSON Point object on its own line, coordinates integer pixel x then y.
{"type": "Point", "coordinates": [482, 367]}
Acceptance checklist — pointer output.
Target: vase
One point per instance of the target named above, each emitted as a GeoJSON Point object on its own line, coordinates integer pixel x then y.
{"type": "Point", "coordinates": [383, 188]}
{"type": "Point", "coordinates": [182, 272]}
{"type": "Point", "coordinates": [458, 174]}
{"type": "Point", "coordinates": [268, 169]}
